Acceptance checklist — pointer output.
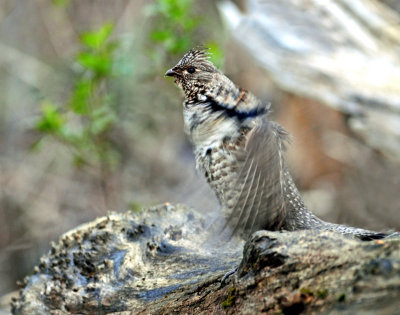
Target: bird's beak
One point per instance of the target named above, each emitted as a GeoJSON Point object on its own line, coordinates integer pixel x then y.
{"type": "Point", "coordinates": [170, 73]}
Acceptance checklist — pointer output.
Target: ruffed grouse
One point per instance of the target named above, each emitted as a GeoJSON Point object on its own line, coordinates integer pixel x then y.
{"type": "Point", "coordinates": [241, 153]}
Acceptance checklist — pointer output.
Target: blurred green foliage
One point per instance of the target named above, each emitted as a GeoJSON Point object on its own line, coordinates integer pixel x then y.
{"type": "Point", "coordinates": [216, 54]}
{"type": "Point", "coordinates": [83, 122]}
{"type": "Point", "coordinates": [175, 24]}
{"type": "Point", "coordinates": [176, 28]}
{"type": "Point", "coordinates": [60, 3]}
{"type": "Point", "coordinates": [105, 93]}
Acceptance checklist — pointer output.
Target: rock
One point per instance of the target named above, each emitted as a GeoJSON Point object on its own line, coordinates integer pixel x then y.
{"type": "Point", "coordinates": [161, 261]}
{"type": "Point", "coordinates": [125, 262]}
{"type": "Point", "coordinates": [320, 272]}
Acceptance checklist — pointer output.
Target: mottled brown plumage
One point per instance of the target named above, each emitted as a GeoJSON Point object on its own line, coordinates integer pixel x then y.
{"type": "Point", "coordinates": [240, 152]}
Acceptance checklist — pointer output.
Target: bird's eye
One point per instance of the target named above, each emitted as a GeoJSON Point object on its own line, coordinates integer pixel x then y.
{"type": "Point", "coordinates": [191, 70]}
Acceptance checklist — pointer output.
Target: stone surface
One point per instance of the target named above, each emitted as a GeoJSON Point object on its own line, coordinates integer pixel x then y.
{"type": "Point", "coordinates": [125, 262]}
{"type": "Point", "coordinates": [161, 261]}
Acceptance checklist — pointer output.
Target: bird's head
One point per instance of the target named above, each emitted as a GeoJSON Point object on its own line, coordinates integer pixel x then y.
{"type": "Point", "coordinates": [193, 72]}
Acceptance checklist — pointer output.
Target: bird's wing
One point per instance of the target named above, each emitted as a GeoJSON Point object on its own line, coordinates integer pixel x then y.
{"type": "Point", "coordinates": [260, 202]}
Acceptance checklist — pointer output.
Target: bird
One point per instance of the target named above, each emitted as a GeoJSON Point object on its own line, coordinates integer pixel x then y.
{"type": "Point", "coordinates": [241, 153]}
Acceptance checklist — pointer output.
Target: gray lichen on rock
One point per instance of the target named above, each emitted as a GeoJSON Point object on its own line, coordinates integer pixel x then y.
{"type": "Point", "coordinates": [160, 261]}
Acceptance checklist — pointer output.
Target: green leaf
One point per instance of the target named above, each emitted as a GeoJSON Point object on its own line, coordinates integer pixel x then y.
{"type": "Point", "coordinates": [97, 39]}
{"type": "Point", "coordinates": [51, 120]}
{"type": "Point", "coordinates": [216, 54]}
{"type": "Point", "coordinates": [179, 45]}
{"type": "Point", "coordinates": [80, 100]}
{"type": "Point", "coordinates": [175, 24]}
{"type": "Point", "coordinates": [161, 35]}
{"type": "Point", "coordinates": [189, 24]}
{"type": "Point", "coordinates": [101, 64]}
{"type": "Point", "coordinates": [60, 3]}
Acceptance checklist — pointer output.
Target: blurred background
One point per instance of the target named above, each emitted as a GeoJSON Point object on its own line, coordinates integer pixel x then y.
{"type": "Point", "coordinates": [89, 124]}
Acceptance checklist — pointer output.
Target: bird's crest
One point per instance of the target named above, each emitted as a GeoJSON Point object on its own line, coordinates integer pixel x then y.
{"type": "Point", "coordinates": [195, 56]}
